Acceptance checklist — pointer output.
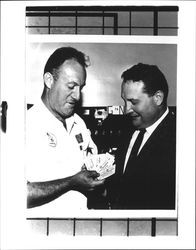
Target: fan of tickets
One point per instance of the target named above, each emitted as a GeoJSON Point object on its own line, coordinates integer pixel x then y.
{"type": "Point", "coordinates": [102, 164]}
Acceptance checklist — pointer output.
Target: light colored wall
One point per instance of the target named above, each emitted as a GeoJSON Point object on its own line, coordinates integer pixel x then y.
{"type": "Point", "coordinates": [108, 61]}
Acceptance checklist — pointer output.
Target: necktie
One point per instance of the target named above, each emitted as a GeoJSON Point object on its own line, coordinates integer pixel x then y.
{"type": "Point", "coordinates": [138, 143]}
{"type": "Point", "coordinates": [134, 151]}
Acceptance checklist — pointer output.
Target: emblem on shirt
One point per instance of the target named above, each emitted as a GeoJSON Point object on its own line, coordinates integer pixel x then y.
{"type": "Point", "coordinates": [51, 139]}
{"type": "Point", "coordinates": [79, 138]}
{"type": "Point", "coordinates": [83, 146]}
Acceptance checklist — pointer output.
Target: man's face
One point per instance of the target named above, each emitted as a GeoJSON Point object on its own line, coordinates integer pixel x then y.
{"type": "Point", "coordinates": [65, 92]}
{"type": "Point", "coordinates": [141, 107]}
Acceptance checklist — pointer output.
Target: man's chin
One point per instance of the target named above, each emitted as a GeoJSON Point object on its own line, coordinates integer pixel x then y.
{"type": "Point", "coordinates": [136, 122]}
{"type": "Point", "coordinates": [67, 114]}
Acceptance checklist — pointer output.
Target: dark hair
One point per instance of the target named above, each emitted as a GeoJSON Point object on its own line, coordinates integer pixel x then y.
{"type": "Point", "coordinates": [60, 55]}
{"type": "Point", "coordinates": [150, 75]}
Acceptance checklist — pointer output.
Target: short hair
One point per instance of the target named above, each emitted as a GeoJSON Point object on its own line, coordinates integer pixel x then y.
{"type": "Point", "coordinates": [60, 55]}
{"type": "Point", "coordinates": [150, 75]}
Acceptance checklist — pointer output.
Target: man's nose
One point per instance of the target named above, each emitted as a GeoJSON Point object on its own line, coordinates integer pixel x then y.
{"type": "Point", "coordinates": [128, 108]}
{"type": "Point", "coordinates": [76, 94]}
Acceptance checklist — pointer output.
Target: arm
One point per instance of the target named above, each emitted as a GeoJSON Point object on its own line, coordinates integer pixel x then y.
{"type": "Point", "coordinates": [40, 193]}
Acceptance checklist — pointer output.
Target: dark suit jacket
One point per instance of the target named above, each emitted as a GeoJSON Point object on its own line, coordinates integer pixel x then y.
{"type": "Point", "coordinates": [149, 182]}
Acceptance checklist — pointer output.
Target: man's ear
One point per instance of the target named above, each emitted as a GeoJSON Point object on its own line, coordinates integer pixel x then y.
{"type": "Point", "coordinates": [48, 79]}
{"type": "Point", "coordinates": [158, 97]}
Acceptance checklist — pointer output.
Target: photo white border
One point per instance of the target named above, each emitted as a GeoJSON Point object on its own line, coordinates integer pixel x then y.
{"type": "Point", "coordinates": [12, 143]}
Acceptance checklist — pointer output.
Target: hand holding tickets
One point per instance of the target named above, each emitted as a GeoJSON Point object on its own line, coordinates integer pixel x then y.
{"type": "Point", "coordinates": [102, 164]}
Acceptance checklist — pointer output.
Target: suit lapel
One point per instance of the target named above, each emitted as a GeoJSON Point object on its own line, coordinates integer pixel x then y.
{"type": "Point", "coordinates": [158, 135]}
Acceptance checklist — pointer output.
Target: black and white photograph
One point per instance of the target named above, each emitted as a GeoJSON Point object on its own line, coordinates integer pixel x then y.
{"type": "Point", "coordinates": [111, 110]}
{"type": "Point", "coordinates": [97, 131]}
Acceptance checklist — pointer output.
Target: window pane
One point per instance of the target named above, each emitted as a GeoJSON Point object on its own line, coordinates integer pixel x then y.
{"type": "Point", "coordinates": [142, 19]}
{"type": "Point", "coordinates": [142, 227]}
{"type": "Point", "coordinates": [168, 19]}
{"type": "Point", "coordinates": [123, 18]}
{"type": "Point", "coordinates": [62, 30]}
{"type": "Point", "coordinates": [145, 32]}
{"type": "Point", "coordinates": [36, 21]}
{"type": "Point", "coordinates": [167, 32]}
{"type": "Point", "coordinates": [108, 31]}
{"type": "Point", "coordinates": [114, 227]}
{"type": "Point", "coordinates": [90, 21]}
{"type": "Point", "coordinates": [93, 31]}
{"type": "Point", "coordinates": [62, 21]}
{"type": "Point", "coordinates": [166, 227]}
{"type": "Point", "coordinates": [37, 30]}
{"type": "Point", "coordinates": [109, 21]}
{"type": "Point", "coordinates": [123, 31]}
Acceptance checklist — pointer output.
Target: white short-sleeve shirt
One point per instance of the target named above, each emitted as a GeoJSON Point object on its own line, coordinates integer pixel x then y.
{"type": "Point", "coordinates": [54, 153]}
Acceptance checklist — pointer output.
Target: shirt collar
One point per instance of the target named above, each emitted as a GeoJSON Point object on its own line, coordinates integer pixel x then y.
{"type": "Point", "coordinates": [70, 122]}
{"type": "Point", "coordinates": [46, 112]}
{"type": "Point", "coordinates": [151, 128]}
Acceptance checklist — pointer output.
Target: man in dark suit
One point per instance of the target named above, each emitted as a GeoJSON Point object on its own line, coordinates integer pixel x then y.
{"type": "Point", "coordinates": [145, 170]}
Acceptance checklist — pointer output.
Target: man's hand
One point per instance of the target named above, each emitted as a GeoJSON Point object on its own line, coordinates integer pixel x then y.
{"type": "Point", "coordinates": [40, 193]}
{"type": "Point", "coordinates": [85, 181]}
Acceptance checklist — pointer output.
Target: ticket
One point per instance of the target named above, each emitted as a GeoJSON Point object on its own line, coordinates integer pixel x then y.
{"type": "Point", "coordinates": [102, 164]}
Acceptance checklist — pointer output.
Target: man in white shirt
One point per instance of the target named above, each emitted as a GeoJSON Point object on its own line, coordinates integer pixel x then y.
{"type": "Point", "coordinates": [57, 140]}
{"type": "Point", "coordinates": [145, 160]}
